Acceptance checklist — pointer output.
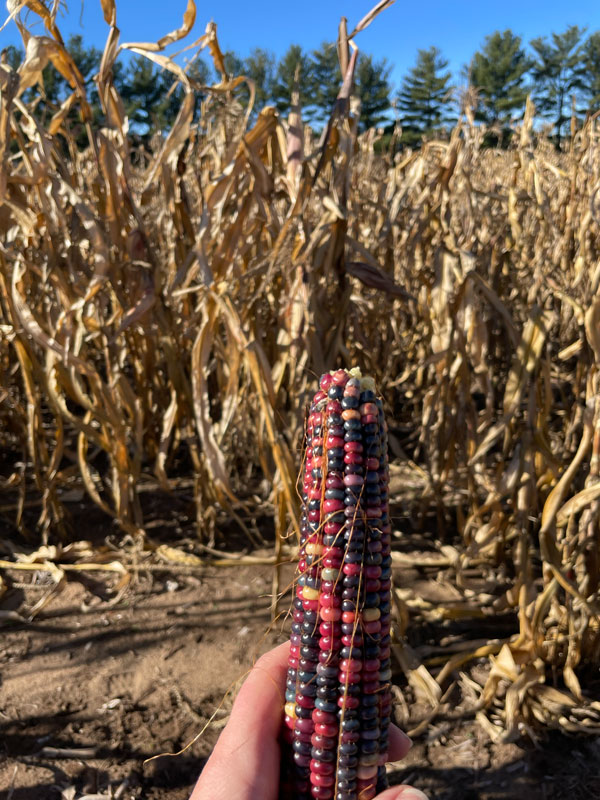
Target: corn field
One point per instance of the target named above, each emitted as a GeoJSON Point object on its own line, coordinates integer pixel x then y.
{"type": "Point", "coordinates": [167, 317]}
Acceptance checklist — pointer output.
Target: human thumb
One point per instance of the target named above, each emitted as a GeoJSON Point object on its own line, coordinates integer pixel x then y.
{"type": "Point", "coordinates": [403, 792]}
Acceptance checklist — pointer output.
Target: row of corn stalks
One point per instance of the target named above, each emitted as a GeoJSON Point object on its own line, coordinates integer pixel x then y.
{"type": "Point", "coordinates": [177, 314]}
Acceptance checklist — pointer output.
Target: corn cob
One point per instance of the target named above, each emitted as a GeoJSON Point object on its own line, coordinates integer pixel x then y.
{"type": "Point", "coordinates": [338, 699]}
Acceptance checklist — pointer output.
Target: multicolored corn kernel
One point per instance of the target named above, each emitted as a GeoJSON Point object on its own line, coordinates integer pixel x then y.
{"type": "Point", "coordinates": [338, 699]}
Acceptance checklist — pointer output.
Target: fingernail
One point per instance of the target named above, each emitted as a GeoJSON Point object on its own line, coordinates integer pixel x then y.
{"type": "Point", "coordinates": [406, 739]}
{"type": "Point", "coordinates": [413, 794]}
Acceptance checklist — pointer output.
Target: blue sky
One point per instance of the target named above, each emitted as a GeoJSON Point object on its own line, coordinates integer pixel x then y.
{"type": "Point", "coordinates": [457, 28]}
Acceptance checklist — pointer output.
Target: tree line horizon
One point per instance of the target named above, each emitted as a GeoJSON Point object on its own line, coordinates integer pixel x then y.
{"type": "Point", "coordinates": [560, 72]}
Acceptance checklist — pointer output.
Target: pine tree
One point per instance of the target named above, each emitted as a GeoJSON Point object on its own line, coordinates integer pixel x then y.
{"type": "Point", "coordinates": [144, 90]}
{"type": "Point", "coordinates": [200, 73]}
{"type": "Point", "coordinates": [497, 72]}
{"type": "Point", "coordinates": [283, 82]}
{"type": "Point", "coordinates": [260, 67]}
{"type": "Point", "coordinates": [326, 80]}
{"type": "Point", "coordinates": [591, 60]}
{"type": "Point", "coordinates": [559, 73]}
{"type": "Point", "coordinates": [233, 64]}
{"type": "Point", "coordinates": [424, 98]}
{"type": "Point", "coordinates": [13, 56]}
{"type": "Point", "coordinates": [235, 67]}
{"type": "Point", "coordinates": [373, 88]}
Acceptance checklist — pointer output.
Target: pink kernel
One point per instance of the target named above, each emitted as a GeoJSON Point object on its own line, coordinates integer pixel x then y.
{"type": "Point", "coordinates": [368, 408]}
{"type": "Point", "coordinates": [348, 702]}
{"type": "Point", "coordinates": [330, 600]}
{"type": "Point", "coordinates": [349, 677]}
{"type": "Point", "coordinates": [321, 780]}
{"type": "Point", "coordinates": [372, 572]}
{"type": "Point", "coordinates": [331, 528]}
{"type": "Point", "coordinates": [340, 377]}
{"type": "Point", "coordinates": [302, 737]}
{"type": "Point", "coordinates": [329, 644]}
{"type": "Point", "coordinates": [353, 447]}
{"type": "Point", "coordinates": [353, 458]}
{"type": "Point", "coordinates": [324, 716]}
{"type": "Point", "coordinates": [326, 730]}
{"type": "Point", "coordinates": [305, 726]}
{"type": "Point", "coordinates": [331, 614]}
{"type": "Point", "coordinates": [323, 742]}
{"type": "Point", "coordinates": [351, 665]}
{"type": "Point", "coordinates": [333, 505]}
{"type": "Point", "coordinates": [329, 658]}
{"type": "Point", "coordinates": [326, 381]}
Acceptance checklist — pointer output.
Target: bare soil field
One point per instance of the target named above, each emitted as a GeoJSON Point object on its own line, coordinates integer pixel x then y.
{"type": "Point", "coordinates": [91, 690]}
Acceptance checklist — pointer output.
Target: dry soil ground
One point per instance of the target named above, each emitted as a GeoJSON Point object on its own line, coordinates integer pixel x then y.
{"type": "Point", "coordinates": [89, 692]}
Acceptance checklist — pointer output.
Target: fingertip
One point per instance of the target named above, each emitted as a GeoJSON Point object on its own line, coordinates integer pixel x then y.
{"type": "Point", "coordinates": [399, 745]}
{"type": "Point", "coordinates": [403, 792]}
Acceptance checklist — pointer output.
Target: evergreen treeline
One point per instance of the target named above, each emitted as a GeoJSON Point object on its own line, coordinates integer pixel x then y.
{"type": "Point", "coordinates": [562, 73]}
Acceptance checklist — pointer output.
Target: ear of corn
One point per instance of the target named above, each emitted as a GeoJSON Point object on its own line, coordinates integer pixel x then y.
{"type": "Point", "coordinates": [338, 700]}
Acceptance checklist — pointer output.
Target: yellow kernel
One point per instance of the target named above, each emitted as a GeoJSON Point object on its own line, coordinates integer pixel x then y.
{"type": "Point", "coordinates": [313, 549]}
{"type": "Point", "coordinates": [371, 614]}
{"type": "Point", "coordinates": [290, 710]}
{"type": "Point", "coordinates": [308, 593]}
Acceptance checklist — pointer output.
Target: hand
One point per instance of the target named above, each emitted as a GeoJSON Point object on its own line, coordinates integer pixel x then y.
{"type": "Point", "coordinates": [245, 762]}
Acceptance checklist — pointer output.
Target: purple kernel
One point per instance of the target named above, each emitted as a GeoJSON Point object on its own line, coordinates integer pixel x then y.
{"type": "Point", "coordinates": [353, 480]}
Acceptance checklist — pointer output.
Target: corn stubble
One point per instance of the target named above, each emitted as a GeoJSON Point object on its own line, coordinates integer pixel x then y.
{"type": "Point", "coordinates": [171, 305]}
